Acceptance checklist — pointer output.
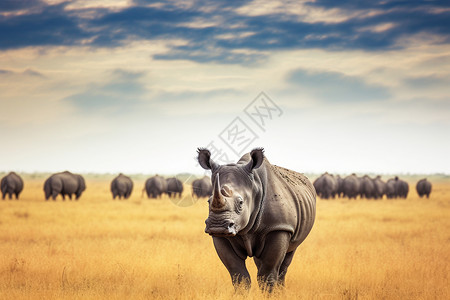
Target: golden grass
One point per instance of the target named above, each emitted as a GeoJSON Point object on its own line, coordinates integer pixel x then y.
{"type": "Point", "coordinates": [98, 248]}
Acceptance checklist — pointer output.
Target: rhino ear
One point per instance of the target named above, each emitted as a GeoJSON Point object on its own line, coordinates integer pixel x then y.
{"type": "Point", "coordinates": [257, 156]}
{"type": "Point", "coordinates": [204, 159]}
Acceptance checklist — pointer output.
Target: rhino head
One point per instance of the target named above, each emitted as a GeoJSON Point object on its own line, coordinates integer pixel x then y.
{"type": "Point", "coordinates": [234, 189]}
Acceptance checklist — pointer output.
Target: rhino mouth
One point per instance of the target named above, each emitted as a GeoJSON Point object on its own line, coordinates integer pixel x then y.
{"type": "Point", "coordinates": [227, 228]}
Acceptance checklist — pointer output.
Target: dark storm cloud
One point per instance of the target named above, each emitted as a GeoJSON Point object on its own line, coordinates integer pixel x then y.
{"type": "Point", "coordinates": [249, 36]}
{"type": "Point", "coordinates": [15, 5]}
{"type": "Point", "coordinates": [336, 87]}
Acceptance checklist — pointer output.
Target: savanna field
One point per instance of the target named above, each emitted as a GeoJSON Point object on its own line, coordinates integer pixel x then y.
{"type": "Point", "coordinates": [97, 248]}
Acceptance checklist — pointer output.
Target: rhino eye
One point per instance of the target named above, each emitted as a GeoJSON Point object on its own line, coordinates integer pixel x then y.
{"type": "Point", "coordinates": [239, 204]}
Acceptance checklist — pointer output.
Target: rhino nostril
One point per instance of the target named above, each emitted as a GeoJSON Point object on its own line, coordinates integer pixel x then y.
{"type": "Point", "coordinates": [231, 225]}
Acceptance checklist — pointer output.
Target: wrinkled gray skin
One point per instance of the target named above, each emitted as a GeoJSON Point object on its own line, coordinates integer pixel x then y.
{"type": "Point", "coordinates": [326, 186]}
{"type": "Point", "coordinates": [11, 184]}
{"type": "Point", "coordinates": [367, 188]}
{"type": "Point", "coordinates": [121, 187]}
{"type": "Point", "coordinates": [379, 187]}
{"type": "Point", "coordinates": [174, 187]}
{"type": "Point", "coordinates": [351, 186]}
{"type": "Point", "coordinates": [155, 186]}
{"type": "Point", "coordinates": [423, 188]}
{"type": "Point", "coordinates": [64, 183]}
{"type": "Point", "coordinates": [202, 187]}
{"type": "Point", "coordinates": [258, 210]}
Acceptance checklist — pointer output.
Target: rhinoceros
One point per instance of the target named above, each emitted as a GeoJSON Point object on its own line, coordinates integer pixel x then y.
{"type": "Point", "coordinates": [351, 186]}
{"type": "Point", "coordinates": [11, 184]}
{"type": "Point", "coordinates": [257, 210]}
{"type": "Point", "coordinates": [423, 188]}
{"type": "Point", "coordinates": [367, 187]}
{"type": "Point", "coordinates": [326, 186]}
{"type": "Point", "coordinates": [121, 186]}
{"type": "Point", "coordinates": [64, 183]}
{"type": "Point", "coordinates": [155, 186]}
{"type": "Point", "coordinates": [202, 187]}
{"type": "Point", "coordinates": [174, 187]}
{"type": "Point", "coordinates": [379, 187]}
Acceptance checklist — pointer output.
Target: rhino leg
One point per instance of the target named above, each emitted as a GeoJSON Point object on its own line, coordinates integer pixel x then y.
{"type": "Point", "coordinates": [284, 266]}
{"type": "Point", "coordinates": [272, 258]}
{"type": "Point", "coordinates": [234, 264]}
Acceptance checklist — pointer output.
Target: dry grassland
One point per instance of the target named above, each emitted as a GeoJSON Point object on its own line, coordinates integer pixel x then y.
{"type": "Point", "coordinates": [98, 248]}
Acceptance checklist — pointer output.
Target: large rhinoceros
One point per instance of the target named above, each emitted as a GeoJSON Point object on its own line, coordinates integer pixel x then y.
{"type": "Point", "coordinates": [155, 186]}
{"type": "Point", "coordinates": [121, 186]}
{"type": "Point", "coordinates": [174, 187]}
{"type": "Point", "coordinates": [202, 187]}
{"type": "Point", "coordinates": [423, 187]}
{"type": "Point", "coordinates": [11, 184]}
{"type": "Point", "coordinates": [64, 183]}
{"type": "Point", "coordinates": [257, 210]}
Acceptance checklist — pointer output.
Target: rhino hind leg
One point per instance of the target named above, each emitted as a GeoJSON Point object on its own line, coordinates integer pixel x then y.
{"type": "Point", "coordinates": [272, 259]}
{"type": "Point", "coordinates": [284, 266]}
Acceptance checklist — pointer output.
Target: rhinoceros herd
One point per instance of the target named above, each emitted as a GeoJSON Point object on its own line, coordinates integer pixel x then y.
{"type": "Point", "coordinates": [329, 186]}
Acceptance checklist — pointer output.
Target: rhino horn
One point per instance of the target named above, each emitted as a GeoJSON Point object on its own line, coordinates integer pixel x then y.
{"type": "Point", "coordinates": [218, 200]}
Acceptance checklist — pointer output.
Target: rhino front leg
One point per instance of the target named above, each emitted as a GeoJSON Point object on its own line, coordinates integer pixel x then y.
{"type": "Point", "coordinates": [234, 264]}
{"type": "Point", "coordinates": [272, 258]}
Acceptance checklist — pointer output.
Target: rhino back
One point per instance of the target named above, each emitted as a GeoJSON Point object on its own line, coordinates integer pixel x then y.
{"type": "Point", "coordinates": [289, 203]}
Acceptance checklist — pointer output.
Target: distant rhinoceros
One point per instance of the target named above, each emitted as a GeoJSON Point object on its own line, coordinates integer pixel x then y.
{"type": "Point", "coordinates": [64, 183]}
{"type": "Point", "coordinates": [202, 187]}
{"type": "Point", "coordinates": [351, 186]}
{"type": "Point", "coordinates": [379, 187]}
{"type": "Point", "coordinates": [11, 184]}
{"type": "Point", "coordinates": [121, 186]}
{"type": "Point", "coordinates": [258, 210]}
{"type": "Point", "coordinates": [423, 187]}
{"type": "Point", "coordinates": [174, 187]}
{"type": "Point", "coordinates": [326, 186]}
{"type": "Point", "coordinates": [155, 186]}
{"type": "Point", "coordinates": [390, 189]}
{"type": "Point", "coordinates": [367, 187]}
{"type": "Point", "coordinates": [401, 188]}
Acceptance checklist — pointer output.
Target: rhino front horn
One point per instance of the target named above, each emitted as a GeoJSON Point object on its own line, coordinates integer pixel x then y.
{"type": "Point", "coordinates": [218, 201]}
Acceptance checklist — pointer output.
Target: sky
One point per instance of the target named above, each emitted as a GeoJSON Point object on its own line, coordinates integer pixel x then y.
{"type": "Point", "coordinates": [136, 86]}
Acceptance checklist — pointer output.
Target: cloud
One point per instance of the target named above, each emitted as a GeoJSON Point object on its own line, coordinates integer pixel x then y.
{"type": "Point", "coordinates": [121, 94]}
{"type": "Point", "coordinates": [27, 72]}
{"type": "Point", "coordinates": [335, 86]}
{"type": "Point", "coordinates": [16, 5]}
{"type": "Point", "coordinates": [430, 81]}
{"type": "Point", "coordinates": [369, 26]}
